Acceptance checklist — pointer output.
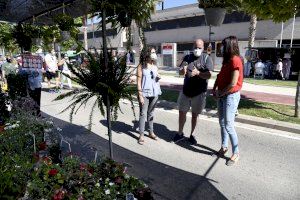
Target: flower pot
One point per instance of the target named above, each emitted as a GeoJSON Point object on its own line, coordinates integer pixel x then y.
{"type": "Point", "coordinates": [37, 41]}
{"type": "Point", "coordinates": [214, 16]}
{"type": "Point", "coordinates": [65, 35]}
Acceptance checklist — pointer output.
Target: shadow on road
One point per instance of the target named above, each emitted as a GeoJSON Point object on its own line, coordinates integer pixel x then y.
{"type": "Point", "coordinates": [166, 182]}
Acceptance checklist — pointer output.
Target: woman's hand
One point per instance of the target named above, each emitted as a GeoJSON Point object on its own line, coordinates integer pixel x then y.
{"type": "Point", "coordinates": [214, 94]}
{"type": "Point", "coordinates": [158, 77]}
{"type": "Point", "coordinates": [141, 99]}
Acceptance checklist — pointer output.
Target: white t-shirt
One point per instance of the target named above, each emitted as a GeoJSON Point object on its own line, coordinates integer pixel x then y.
{"type": "Point", "coordinates": [51, 63]}
{"type": "Point", "coordinates": [279, 66]}
{"type": "Point", "coordinates": [259, 65]}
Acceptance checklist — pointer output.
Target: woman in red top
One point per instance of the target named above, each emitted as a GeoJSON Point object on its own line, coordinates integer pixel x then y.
{"type": "Point", "coordinates": [227, 89]}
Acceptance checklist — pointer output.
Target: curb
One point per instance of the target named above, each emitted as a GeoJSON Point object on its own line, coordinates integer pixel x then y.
{"type": "Point", "coordinates": [245, 119]}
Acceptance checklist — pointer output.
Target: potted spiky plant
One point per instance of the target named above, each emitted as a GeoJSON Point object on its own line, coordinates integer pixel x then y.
{"type": "Point", "coordinates": [107, 84]}
{"type": "Point", "coordinates": [215, 11]}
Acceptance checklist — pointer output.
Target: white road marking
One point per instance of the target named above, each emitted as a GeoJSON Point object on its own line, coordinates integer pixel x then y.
{"type": "Point", "coordinates": [254, 130]}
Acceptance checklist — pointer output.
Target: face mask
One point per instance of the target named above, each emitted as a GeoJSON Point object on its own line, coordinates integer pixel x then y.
{"type": "Point", "coordinates": [197, 52]}
{"type": "Point", "coordinates": [153, 56]}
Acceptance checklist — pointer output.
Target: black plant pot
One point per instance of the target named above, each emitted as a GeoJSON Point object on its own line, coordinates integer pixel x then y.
{"type": "Point", "coordinates": [214, 16]}
{"type": "Point", "coordinates": [124, 18]}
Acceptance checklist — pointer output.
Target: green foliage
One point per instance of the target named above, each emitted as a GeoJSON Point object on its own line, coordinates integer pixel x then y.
{"type": "Point", "coordinates": [22, 38]}
{"type": "Point", "coordinates": [75, 180]}
{"type": "Point", "coordinates": [213, 3]}
{"type": "Point", "coordinates": [100, 82]}
{"type": "Point", "coordinates": [276, 10]}
{"type": "Point", "coordinates": [6, 37]}
{"type": "Point", "coordinates": [49, 33]}
{"type": "Point", "coordinates": [17, 85]}
{"type": "Point", "coordinates": [66, 22]}
{"type": "Point", "coordinates": [16, 149]}
{"type": "Point", "coordinates": [121, 12]}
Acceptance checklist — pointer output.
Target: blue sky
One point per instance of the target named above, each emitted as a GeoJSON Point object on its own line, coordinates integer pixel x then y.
{"type": "Point", "coordinates": [174, 3]}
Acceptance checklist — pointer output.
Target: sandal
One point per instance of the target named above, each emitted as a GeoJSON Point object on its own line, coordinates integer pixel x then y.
{"type": "Point", "coordinates": [231, 161]}
{"type": "Point", "coordinates": [153, 136]}
{"type": "Point", "coordinates": [222, 151]}
{"type": "Point", "coordinates": [141, 140]}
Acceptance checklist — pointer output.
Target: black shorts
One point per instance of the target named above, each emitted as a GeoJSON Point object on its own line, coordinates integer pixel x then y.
{"type": "Point", "coordinates": [51, 75]}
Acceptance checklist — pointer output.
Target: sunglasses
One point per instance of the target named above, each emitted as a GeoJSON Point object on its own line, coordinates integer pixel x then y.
{"type": "Point", "coordinates": [152, 76]}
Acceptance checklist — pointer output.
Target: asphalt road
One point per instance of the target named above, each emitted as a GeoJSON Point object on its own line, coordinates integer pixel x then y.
{"type": "Point", "coordinates": [268, 168]}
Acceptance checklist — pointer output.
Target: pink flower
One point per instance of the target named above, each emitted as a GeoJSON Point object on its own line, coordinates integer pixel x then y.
{"type": "Point", "coordinates": [53, 172]}
{"type": "Point", "coordinates": [82, 166]}
{"type": "Point", "coordinates": [59, 194]}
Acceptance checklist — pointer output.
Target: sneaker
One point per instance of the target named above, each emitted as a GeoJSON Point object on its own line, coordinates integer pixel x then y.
{"type": "Point", "coordinates": [192, 140]}
{"type": "Point", "coordinates": [178, 137]}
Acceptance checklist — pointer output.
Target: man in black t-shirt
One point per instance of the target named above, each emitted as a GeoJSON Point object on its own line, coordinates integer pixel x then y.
{"type": "Point", "coordinates": [197, 69]}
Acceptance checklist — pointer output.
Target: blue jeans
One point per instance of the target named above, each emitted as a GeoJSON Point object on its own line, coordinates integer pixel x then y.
{"type": "Point", "coordinates": [227, 107]}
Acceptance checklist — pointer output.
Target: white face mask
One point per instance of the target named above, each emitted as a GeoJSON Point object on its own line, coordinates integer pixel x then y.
{"type": "Point", "coordinates": [153, 56]}
{"type": "Point", "coordinates": [197, 52]}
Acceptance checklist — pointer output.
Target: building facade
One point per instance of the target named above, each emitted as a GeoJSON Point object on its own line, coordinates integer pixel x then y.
{"type": "Point", "coordinates": [182, 25]}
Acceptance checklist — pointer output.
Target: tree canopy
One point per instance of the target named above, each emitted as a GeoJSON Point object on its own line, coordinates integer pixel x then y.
{"type": "Point", "coordinates": [276, 10]}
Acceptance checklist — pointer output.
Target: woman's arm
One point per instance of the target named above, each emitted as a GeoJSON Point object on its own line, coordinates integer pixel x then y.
{"type": "Point", "coordinates": [234, 79]}
{"type": "Point", "coordinates": [139, 75]}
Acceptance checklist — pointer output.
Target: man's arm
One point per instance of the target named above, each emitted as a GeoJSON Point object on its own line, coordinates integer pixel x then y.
{"type": "Point", "coordinates": [205, 74]}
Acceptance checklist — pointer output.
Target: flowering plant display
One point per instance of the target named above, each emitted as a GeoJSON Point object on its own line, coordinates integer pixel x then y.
{"type": "Point", "coordinates": [76, 180]}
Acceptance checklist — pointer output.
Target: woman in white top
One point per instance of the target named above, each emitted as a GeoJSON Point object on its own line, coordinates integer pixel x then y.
{"type": "Point", "coordinates": [148, 91]}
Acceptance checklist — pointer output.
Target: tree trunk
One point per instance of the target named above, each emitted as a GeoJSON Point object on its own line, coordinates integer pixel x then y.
{"type": "Point", "coordinates": [297, 100]}
{"type": "Point", "coordinates": [105, 55]}
{"type": "Point", "coordinates": [252, 30]}
{"type": "Point", "coordinates": [84, 23]}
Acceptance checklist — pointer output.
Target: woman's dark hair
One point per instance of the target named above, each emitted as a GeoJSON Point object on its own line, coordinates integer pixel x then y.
{"type": "Point", "coordinates": [230, 48]}
{"type": "Point", "coordinates": [145, 55]}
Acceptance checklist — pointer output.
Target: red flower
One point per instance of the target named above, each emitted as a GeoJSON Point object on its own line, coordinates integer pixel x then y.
{"type": "Point", "coordinates": [42, 146]}
{"type": "Point", "coordinates": [53, 172]}
{"type": "Point", "coordinates": [90, 170]}
{"type": "Point", "coordinates": [82, 166]}
{"type": "Point", "coordinates": [59, 195]}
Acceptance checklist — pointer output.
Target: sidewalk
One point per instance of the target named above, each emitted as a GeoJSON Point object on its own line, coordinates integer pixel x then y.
{"type": "Point", "coordinates": [279, 95]}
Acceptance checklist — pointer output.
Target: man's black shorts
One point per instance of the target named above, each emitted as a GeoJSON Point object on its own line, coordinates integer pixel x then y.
{"type": "Point", "coordinates": [51, 75]}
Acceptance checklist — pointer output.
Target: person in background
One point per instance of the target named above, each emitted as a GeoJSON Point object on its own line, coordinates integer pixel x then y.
{"type": "Point", "coordinates": [279, 67]}
{"type": "Point", "coordinates": [197, 69]}
{"type": "Point", "coordinates": [227, 89]}
{"type": "Point", "coordinates": [52, 70]}
{"type": "Point", "coordinates": [148, 91]}
{"type": "Point", "coordinates": [65, 70]}
{"type": "Point", "coordinates": [259, 69]}
{"type": "Point", "coordinates": [8, 68]}
{"type": "Point", "coordinates": [287, 64]}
